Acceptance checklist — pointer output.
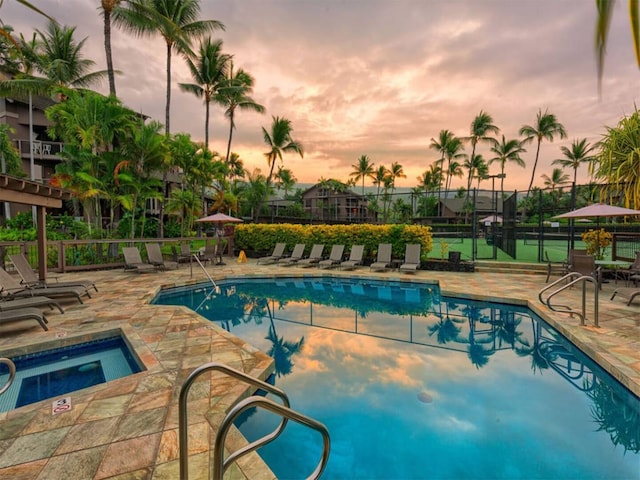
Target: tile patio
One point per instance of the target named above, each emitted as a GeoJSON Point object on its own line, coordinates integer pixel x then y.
{"type": "Point", "coordinates": [127, 428]}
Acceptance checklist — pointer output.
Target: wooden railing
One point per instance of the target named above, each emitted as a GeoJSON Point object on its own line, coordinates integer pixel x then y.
{"type": "Point", "coordinates": [77, 255]}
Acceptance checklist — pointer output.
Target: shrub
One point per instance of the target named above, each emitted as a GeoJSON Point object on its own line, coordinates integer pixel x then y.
{"type": "Point", "coordinates": [259, 239]}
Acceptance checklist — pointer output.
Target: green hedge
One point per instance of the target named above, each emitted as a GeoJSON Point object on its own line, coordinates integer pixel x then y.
{"type": "Point", "coordinates": [259, 239]}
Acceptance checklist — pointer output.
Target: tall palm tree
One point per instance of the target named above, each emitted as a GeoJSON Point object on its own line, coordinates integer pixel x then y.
{"type": "Point", "coordinates": [545, 128]}
{"type": "Point", "coordinates": [396, 171]}
{"type": "Point", "coordinates": [208, 69]}
{"type": "Point", "coordinates": [362, 170]}
{"type": "Point", "coordinates": [235, 93]}
{"type": "Point", "coordinates": [175, 20]}
{"type": "Point", "coordinates": [481, 129]}
{"type": "Point", "coordinates": [178, 24]}
{"type": "Point", "coordinates": [578, 154]}
{"type": "Point", "coordinates": [442, 145]}
{"type": "Point", "coordinates": [507, 151]}
{"type": "Point", "coordinates": [108, 7]}
{"type": "Point", "coordinates": [279, 141]}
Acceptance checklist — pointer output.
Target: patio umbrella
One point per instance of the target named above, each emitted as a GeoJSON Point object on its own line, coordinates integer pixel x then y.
{"type": "Point", "coordinates": [491, 218]}
{"type": "Point", "coordinates": [597, 211]}
{"type": "Point", "coordinates": [219, 218]}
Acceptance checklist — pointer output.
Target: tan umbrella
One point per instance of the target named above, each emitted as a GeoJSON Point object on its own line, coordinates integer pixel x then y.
{"type": "Point", "coordinates": [598, 210]}
{"type": "Point", "coordinates": [219, 218]}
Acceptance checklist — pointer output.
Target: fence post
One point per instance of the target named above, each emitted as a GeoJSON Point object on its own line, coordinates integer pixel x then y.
{"type": "Point", "coordinates": [61, 257]}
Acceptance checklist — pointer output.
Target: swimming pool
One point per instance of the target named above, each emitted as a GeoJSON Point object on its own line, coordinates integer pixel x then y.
{"type": "Point", "coordinates": [55, 372]}
{"type": "Point", "coordinates": [415, 385]}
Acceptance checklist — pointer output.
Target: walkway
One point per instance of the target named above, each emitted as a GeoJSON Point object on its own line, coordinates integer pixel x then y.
{"type": "Point", "coordinates": [128, 427]}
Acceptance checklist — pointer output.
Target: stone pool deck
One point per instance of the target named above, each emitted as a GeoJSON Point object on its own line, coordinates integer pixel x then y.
{"type": "Point", "coordinates": [128, 428]}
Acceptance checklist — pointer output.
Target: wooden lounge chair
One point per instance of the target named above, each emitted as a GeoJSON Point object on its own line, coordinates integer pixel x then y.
{"type": "Point", "coordinates": [296, 255]}
{"type": "Point", "coordinates": [30, 313]}
{"type": "Point", "coordinates": [383, 261]}
{"type": "Point", "coordinates": [30, 278]}
{"type": "Point", "coordinates": [314, 257]}
{"type": "Point", "coordinates": [156, 259]}
{"type": "Point", "coordinates": [277, 254]}
{"type": "Point", "coordinates": [335, 257]}
{"type": "Point", "coordinates": [411, 258]}
{"type": "Point", "coordinates": [355, 258]}
{"type": "Point", "coordinates": [133, 261]}
{"type": "Point", "coordinates": [12, 288]}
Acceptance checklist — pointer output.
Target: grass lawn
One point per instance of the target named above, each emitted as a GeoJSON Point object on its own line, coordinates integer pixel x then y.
{"type": "Point", "coordinates": [557, 251]}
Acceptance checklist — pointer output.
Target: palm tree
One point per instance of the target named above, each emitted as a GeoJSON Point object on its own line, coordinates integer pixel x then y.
{"type": "Point", "coordinates": [605, 10]}
{"type": "Point", "coordinates": [177, 22]}
{"type": "Point", "coordinates": [208, 69]}
{"type": "Point", "coordinates": [557, 178]}
{"type": "Point", "coordinates": [234, 93]}
{"type": "Point", "coordinates": [507, 151]}
{"type": "Point", "coordinates": [279, 142]}
{"type": "Point", "coordinates": [362, 169]}
{"type": "Point", "coordinates": [395, 172]}
{"type": "Point", "coordinates": [545, 128]}
{"type": "Point", "coordinates": [481, 127]}
{"type": "Point", "coordinates": [575, 156]}
{"type": "Point", "coordinates": [108, 7]}
{"type": "Point", "coordinates": [286, 180]}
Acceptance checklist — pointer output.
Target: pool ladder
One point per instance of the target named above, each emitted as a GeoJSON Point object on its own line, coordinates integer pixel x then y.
{"type": "Point", "coordinates": [284, 410]}
{"type": "Point", "coordinates": [12, 373]}
{"type": "Point", "coordinates": [195, 257]}
{"type": "Point", "coordinates": [569, 280]}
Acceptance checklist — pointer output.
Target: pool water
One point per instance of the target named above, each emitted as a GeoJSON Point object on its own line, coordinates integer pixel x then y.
{"type": "Point", "coordinates": [415, 385]}
{"type": "Point", "coordinates": [59, 371]}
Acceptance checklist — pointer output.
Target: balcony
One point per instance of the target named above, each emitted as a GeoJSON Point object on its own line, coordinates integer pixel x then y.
{"type": "Point", "coordinates": [41, 150]}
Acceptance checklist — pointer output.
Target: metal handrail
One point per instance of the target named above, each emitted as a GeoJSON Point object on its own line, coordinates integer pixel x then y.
{"type": "Point", "coordinates": [583, 279]}
{"type": "Point", "coordinates": [220, 466]}
{"type": "Point", "coordinates": [12, 373]}
{"type": "Point", "coordinates": [182, 411]}
{"type": "Point", "coordinates": [195, 256]}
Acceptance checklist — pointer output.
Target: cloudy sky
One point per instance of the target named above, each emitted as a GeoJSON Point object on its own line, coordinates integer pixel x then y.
{"type": "Point", "coordinates": [381, 77]}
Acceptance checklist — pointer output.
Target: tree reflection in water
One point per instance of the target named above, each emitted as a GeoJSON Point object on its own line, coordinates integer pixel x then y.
{"type": "Point", "coordinates": [479, 329]}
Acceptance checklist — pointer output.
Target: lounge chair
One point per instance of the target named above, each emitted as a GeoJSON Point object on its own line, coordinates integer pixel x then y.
{"type": "Point", "coordinates": [184, 256]}
{"type": "Point", "coordinates": [24, 314]}
{"type": "Point", "coordinates": [30, 278]}
{"type": "Point", "coordinates": [133, 261]}
{"type": "Point", "coordinates": [629, 293]}
{"type": "Point", "coordinates": [411, 258]}
{"type": "Point", "coordinates": [335, 257]}
{"type": "Point", "coordinates": [631, 274]}
{"type": "Point", "coordinates": [156, 259]}
{"type": "Point", "coordinates": [355, 258]}
{"type": "Point", "coordinates": [19, 303]}
{"type": "Point", "coordinates": [277, 254]}
{"type": "Point", "coordinates": [296, 255]}
{"type": "Point", "coordinates": [12, 288]}
{"type": "Point", "coordinates": [314, 257]}
{"type": "Point", "coordinates": [383, 261]}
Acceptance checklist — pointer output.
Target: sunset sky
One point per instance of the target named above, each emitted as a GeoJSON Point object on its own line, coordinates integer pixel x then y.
{"type": "Point", "coordinates": [381, 77]}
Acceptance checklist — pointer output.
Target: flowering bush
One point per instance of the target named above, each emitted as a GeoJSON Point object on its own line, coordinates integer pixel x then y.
{"type": "Point", "coordinates": [596, 242]}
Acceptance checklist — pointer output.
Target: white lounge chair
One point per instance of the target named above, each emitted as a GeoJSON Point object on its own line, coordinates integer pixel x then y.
{"type": "Point", "coordinates": [314, 257]}
{"type": "Point", "coordinates": [411, 258]}
{"type": "Point", "coordinates": [383, 260]}
{"type": "Point", "coordinates": [355, 258]}
{"type": "Point", "coordinates": [335, 257]}
{"type": "Point", "coordinates": [277, 254]}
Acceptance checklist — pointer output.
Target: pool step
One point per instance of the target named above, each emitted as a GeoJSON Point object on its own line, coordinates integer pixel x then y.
{"type": "Point", "coordinates": [511, 267]}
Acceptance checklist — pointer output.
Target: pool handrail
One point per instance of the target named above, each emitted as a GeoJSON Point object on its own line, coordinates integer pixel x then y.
{"type": "Point", "coordinates": [284, 411]}
{"type": "Point", "coordinates": [12, 373]}
{"type": "Point", "coordinates": [583, 279]}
